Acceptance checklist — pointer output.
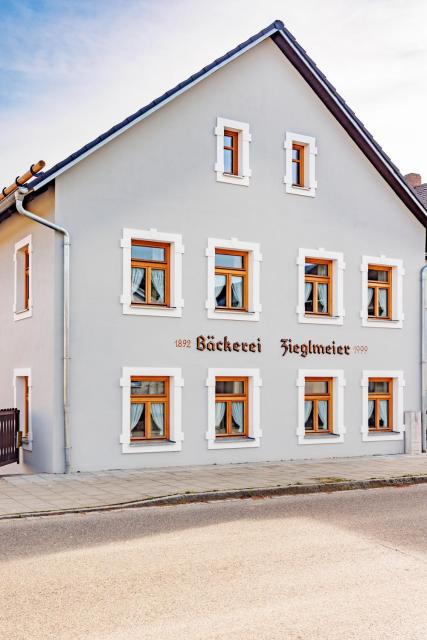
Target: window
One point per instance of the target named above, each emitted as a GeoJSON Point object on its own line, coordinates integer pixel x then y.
{"type": "Point", "coordinates": [22, 307]}
{"type": "Point", "coordinates": [379, 292]}
{"type": "Point", "coordinates": [22, 401]}
{"type": "Point", "coordinates": [297, 165]}
{"type": "Point", "coordinates": [231, 407]}
{"type": "Point", "coordinates": [152, 273]}
{"type": "Point", "coordinates": [318, 286]}
{"type": "Point", "coordinates": [318, 405]}
{"type": "Point", "coordinates": [151, 417]}
{"type": "Point", "coordinates": [231, 279]}
{"type": "Point", "coordinates": [382, 405]}
{"type": "Point", "coordinates": [149, 408]}
{"type": "Point", "coordinates": [382, 292]}
{"type": "Point", "coordinates": [232, 152]}
{"type": "Point", "coordinates": [300, 164]}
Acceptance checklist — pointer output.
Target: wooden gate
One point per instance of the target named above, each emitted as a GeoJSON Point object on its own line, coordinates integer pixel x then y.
{"type": "Point", "coordinates": [9, 436]}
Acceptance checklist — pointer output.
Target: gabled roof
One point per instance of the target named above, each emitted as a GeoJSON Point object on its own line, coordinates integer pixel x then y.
{"type": "Point", "coordinates": [313, 76]}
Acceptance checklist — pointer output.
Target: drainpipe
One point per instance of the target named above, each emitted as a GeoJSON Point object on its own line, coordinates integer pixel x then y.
{"type": "Point", "coordinates": [423, 356]}
{"type": "Point", "coordinates": [19, 197]}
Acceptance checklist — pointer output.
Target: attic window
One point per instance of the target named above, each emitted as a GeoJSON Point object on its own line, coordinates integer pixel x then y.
{"type": "Point", "coordinates": [300, 164]}
{"type": "Point", "coordinates": [232, 152]}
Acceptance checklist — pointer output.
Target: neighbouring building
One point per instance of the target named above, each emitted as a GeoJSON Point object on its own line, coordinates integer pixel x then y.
{"type": "Point", "coordinates": [245, 279]}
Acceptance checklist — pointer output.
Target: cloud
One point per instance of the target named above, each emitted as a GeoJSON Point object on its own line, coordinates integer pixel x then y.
{"type": "Point", "coordinates": [69, 70]}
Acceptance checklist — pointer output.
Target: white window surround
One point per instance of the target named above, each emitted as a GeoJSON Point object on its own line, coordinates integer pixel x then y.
{"type": "Point", "coordinates": [338, 266]}
{"type": "Point", "coordinates": [254, 259]}
{"type": "Point", "coordinates": [254, 427]}
{"type": "Point", "coordinates": [18, 401]}
{"type": "Point", "coordinates": [18, 279]}
{"type": "Point", "coordinates": [398, 415]}
{"type": "Point", "coordinates": [310, 152]}
{"type": "Point", "coordinates": [338, 383]}
{"type": "Point", "coordinates": [244, 139]}
{"type": "Point", "coordinates": [175, 407]}
{"type": "Point", "coordinates": [396, 292]}
{"type": "Point", "coordinates": [176, 251]}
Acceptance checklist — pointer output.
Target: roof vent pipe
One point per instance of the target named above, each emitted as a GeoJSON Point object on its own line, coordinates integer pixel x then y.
{"type": "Point", "coordinates": [19, 197]}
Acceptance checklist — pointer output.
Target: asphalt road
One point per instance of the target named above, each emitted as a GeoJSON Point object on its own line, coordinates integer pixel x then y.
{"type": "Point", "coordinates": [331, 567]}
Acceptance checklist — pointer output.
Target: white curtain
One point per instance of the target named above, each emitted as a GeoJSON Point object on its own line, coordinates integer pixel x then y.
{"type": "Point", "coordinates": [219, 285]}
{"type": "Point", "coordinates": [219, 412]}
{"type": "Point", "coordinates": [158, 280]}
{"type": "Point", "coordinates": [384, 412]}
{"type": "Point", "coordinates": [307, 410]}
{"type": "Point", "coordinates": [322, 408]}
{"type": "Point", "coordinates": [322, 294]}
{"type": "Point", "coordinates": [157, 416]}
{"type": "Point", "coordinates": [237, 292]}
{"type": "Point", "coordinates": [135, 414]}
{"type": "Point", "coordinates": [308, 289]}
{"type": "Point", "coordinates": [237, 413]}
{"type": "Point", "coordinates": [371, 407]}
{"type": "Point", "coordinates": [382, 302]}
{"type": "Point", "coordinates": [370, 296]}
{"type": "Point", "coordinates": [137, 277]}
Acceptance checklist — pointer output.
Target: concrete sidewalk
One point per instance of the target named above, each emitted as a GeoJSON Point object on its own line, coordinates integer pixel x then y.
{"type": "Point", "coordinates": [49, 493]}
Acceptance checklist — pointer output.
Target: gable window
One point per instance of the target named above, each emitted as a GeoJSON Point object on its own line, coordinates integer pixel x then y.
{"type": "Point", "coordinates": [382, 292]}
{"type": "Point", "coordinates": [232, 151]}
{"type": "Point", "coordinates": [22, 401]}
{"type": "Point", "coordinates": [318, 286]}
{"type": "Point", "coordinates": [23, 298]}
{"type": "Point", "coordinates": [379, 291]}
{"type": "Point", "coordinates": [298, 165]}
{"type": "Point", "coordinates": [149, 408]}
{"type": "Point", "coordinates": [382, 405]}
{"type": "Point", "coordinates": [231, 279]}
{"type": "Point", "coordinates": [231, 407]}
{"type": "Point", "coordinates": [150, 272]}
{"type": "Point", "coordinates": [318, 405]}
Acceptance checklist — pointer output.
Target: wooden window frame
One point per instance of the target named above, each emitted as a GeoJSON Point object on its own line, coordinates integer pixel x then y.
{"type": "Point", "coordinates": [148, 265]}
{"type": "Point", "coordinates": [315, 397]}
{"type": "Point", "coordinates": [300, 162]}
{"type": "Point", "coordinates": [234, 148]}
{"type": "Point", "coordinates": [26, 421]}
{"type": "Point", "coordinates": [229, 272]}
{"type": "Point", "coordinates": [316, 280]}
{"type": "Point", "coordinates": [147, 399]}
{"type": "Point", "coordinates": [375, 285]}
{"type": "Point", "coordinates": [376, 397]}
{"type": "Point", "coordinates": [26, 252]}
{"type": "Point", "coordinates": [228, 398]}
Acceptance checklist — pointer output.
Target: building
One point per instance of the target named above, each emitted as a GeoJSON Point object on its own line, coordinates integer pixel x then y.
{"type": "Point", "coordinates": [245, 280]}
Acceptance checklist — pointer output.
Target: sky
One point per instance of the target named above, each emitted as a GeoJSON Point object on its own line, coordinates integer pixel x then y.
{"type": "Point", "coordinates": [70, 69]}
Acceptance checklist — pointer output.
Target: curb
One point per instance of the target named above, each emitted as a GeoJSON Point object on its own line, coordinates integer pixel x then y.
{"type": "Point", "coordinates": [214, 496]}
